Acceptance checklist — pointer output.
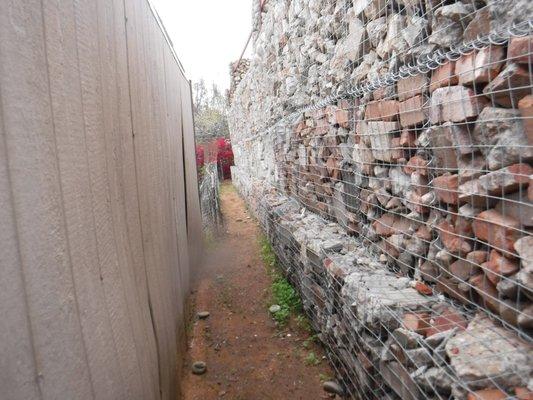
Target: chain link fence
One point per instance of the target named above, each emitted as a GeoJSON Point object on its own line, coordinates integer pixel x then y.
{"type": "Point", "coordinates": [210, 200]}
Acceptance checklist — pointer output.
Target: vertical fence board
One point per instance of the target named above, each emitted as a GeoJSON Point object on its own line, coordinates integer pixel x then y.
{"type": "Point", "coordinates": [121, 172]}
{"type": "Point", "coordinates": [68, 121]}
{"type": "Point", "coordinates": [194, 218]}
{"type": "Point", "coordinates": [91, 88]}
{"type": "Point", "coordinates": [30, 144]}
{"type": "Point", "coordinates": [16, 346]}
{"type": "Point", "coordinates": [176, 147]}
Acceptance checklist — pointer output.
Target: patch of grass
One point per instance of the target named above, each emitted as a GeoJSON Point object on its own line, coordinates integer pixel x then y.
{"type": "Point", "coordinates": [209, 240]}
{"type": "Point", "coordinates": [283, 294]}
{"type": "Point", "coordinates": [306, 344]}
{"type": "Point", "coordinates": [312, 359]}
{"type": "Point", "coordinates": [267, 253]}
{"type": "Point", "coordinates": [226, 187]}
{"type": "Point", "coordinates": [324, 377]}
{"type": "Point", "coordinates": [303, 323]}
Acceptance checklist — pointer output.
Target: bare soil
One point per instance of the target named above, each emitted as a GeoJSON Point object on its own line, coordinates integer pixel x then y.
{"type": "Point", "coordinates": [248, 357]}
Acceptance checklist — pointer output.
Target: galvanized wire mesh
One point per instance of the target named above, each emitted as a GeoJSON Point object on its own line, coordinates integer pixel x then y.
{"type": "Point", "coordinates": [210, 199]}
{"type": "Point", "coordinates": [410, 125]}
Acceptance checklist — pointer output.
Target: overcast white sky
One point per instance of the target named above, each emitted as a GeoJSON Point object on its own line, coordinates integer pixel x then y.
{"type": "Point", "coordinates": [207, 34]}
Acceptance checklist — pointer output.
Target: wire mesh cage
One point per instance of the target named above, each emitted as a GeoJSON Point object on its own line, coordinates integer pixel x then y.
{"type": "Point", "coordinates": [387, 148]}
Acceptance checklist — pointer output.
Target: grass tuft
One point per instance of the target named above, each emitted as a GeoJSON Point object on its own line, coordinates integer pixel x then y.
{"type": "Point", "coordinates": [283, 294]}
{"type": "Point", "coordinates": [312, 359]}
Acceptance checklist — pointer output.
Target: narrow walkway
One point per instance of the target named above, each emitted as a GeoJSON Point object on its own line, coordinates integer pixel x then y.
{"type": "Point", "coordinates": [247, 356]}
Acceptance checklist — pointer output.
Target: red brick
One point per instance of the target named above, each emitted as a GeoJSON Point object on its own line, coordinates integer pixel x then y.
{"type": "Point", "coordinates": [408, 138]}
{"type": "Point", "coordinates": [384, 225]}
{"type": "Point", "coordinates": [471, 192]}
{"type": "Point", "coordinates": [526, 110]}
{"type": "Point", "coordinates": [422, 288]}
{"type": "Point", "coordinates": [419, 183]}
{"type": "Point", "coordinates": [397, 151]}
{"type": "Point", "coordinates": [523, 393]}
{"type": "Point", "coordinates": [364, 361]}
{"type": "Point", "coordinates": [300, 127]}
{"type": "Point", "coordinates": [322, 126]}
{"type": "Point", "coordinates": [332, 167]}
{"type": "Point", "coordinates": [511, 85]}
{"type": "Point", "coordinates": [424, 233]}
{"type": "Point", "coordinates": [365, 158]}
{"type": "Point", "coordinates": [477, 257]}
{"type": "Point", "coordinates": [389, 224]}
{"type": "Point", "coordinates": [443, 76]}
{"type": "Point", "coordinates": [417, 322]}
{"type": "Point", "coordinates": [319, 113]}
{"type": "Point", "coordinates": [506, 180]}
{"type": "Point", "coordinates": [498, 265]}
{"type": "Point", "coordinates": [388, 248]}
{"type": "Point", "coordinates": [381, 93]}
{"type": "Point", "coordinates": [451, 240]}
{"type": "Point", "coordinates": [481, 66]}
{"type": "Point", "coordinates": [463, 226]}
{"type": "Point", "coordinates": [413, 111]}
{"type": "Point", "coordinates": [455, 104]}
{"type": "Point", "coordinates": [412, 86]}
{"type": "Point", "coordinates": [487, 394]}
{"type": "Point", "coordinates": [447, 319]}
{"type": "Point", "coordinates": [487, 292]}
{"type": "Point", "coordinates": [520, 50]}
{"type": "Point", "coordinates": [414, 203]}
{"type": "Point", "coordinates": [416, 164]}
{"type": "Point", "coordinates": [460, 137]}
{"type": "Point", "coordinates": [480, 26]}
{"type": "Point", "coordinates": [385, 110]}
{"type": "Point", "coordinates": [463, 270]}
{"type": "Point", "coordinates": [498, 230]}
{"type": "Point", "coordinates": [342, 118]}
{"type": "Point", "coordinates": [446, 188]}
{"type": "Point", "coordinates": [345, 104]}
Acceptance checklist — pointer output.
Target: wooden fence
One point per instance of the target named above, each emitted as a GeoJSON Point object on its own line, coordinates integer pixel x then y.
{"type": "Point", "coordinates": [99, 211]}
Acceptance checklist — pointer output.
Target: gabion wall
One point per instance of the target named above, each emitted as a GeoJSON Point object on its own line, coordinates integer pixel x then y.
{"type": "Point", "coordinates": [386, 146]}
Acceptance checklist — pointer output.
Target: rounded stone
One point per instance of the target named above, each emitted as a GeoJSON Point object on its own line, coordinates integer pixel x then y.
{"type": "Point", "coordinates": [274, 308]}
{"type": "Point", "coordinates": [199, 368]}
{"type": "Point", "coordinates": [203, 314]}
{"type": "Point", "coordinates": [332, 387]}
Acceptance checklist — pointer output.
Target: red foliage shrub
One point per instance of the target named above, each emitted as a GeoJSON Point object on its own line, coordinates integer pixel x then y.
{"type": "Point", "coordinates": [218, 151]}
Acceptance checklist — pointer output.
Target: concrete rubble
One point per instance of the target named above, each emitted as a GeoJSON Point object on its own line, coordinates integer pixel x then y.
{"type": "Point", "coordinates": [407, 207]}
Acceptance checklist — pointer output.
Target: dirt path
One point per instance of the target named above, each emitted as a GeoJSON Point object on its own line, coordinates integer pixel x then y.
{"type": "Point", "coordinates": [247, 356]}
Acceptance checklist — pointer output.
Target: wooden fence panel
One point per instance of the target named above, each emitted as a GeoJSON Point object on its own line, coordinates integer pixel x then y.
{"type": "Point", "coordinates": [96, 196]}
{"type": "Point", "coordinates": [194, 217]}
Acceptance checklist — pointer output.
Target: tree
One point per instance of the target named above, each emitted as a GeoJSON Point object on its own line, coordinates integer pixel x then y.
{"type": "Point", "coordinates": [210, 112]}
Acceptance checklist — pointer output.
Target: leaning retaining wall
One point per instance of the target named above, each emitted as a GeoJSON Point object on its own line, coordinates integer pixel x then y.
{"type": "Point", "coordinates": [406, 125]}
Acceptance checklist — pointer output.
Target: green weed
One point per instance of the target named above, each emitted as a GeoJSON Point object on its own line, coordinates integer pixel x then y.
{"type": "Point", "coordinates": [324, 377]}
{"type": "Point", "coordinates": [303, 323]}
{"type": "Point", "coordinates": [312, 359]}
{"type": "Point", "coordinates": [283, 294]}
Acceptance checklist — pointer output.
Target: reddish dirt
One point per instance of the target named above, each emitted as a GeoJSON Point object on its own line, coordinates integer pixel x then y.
{"type": "Point", "coordinates": [247, 356]}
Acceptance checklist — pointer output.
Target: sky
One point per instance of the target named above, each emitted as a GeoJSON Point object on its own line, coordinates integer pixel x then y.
{"type": "Point", "coordinates": [207, 35]}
